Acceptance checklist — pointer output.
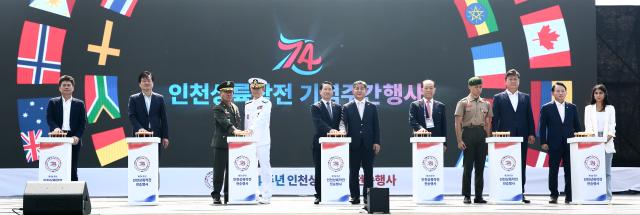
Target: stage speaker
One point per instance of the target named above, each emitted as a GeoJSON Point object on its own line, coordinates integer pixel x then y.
{"type": "Point", "coordinates": [56, 198]}
{"type": "Point", "coordinates": [378, 200]}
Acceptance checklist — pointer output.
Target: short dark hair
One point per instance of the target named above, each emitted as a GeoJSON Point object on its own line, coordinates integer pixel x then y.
{"type": "Point", "coordinates": [327, 83]}
{"type": "Point", "coordinates": [145, 74]}
{"type": "Point", "coordinates": [512, 72]}
{"type": "Point", "coordinates": [360, 82]}
{"type": "Point", "coordinates": [553, 88]}
{"type": "Point", "coordinates": [66, 78]}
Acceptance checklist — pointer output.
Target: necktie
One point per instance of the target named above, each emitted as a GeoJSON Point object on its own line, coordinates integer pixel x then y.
{"type": "Point", "coordinates": [328, 105]}
{"type": "Point", "coordinates": [426, 109]}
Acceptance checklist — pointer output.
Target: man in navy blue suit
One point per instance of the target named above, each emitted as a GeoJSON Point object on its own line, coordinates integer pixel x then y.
{"type": "Point", "coordinates": [360, 119]}
{"type": "Point", "coordinates": [558, 121]}
{"type": "Point", "coordinates": [67, 114]}
{"type": "Point", "coordinates": [427, 114]}
{"type": "Point", "coordinates": [326, 116]}
{"type": "Point", "coordinates": [147, 110]}
{"type": "Point", "coordinates": [512, 112]}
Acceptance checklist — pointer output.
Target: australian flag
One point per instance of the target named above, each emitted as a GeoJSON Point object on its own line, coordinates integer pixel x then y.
{"type": "Point", "coordinates": [32, 118]}
{"type": "Point", "coordinates": [40, 54]}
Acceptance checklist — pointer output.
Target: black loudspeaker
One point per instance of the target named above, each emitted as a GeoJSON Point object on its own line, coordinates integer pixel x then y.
{"type": "Point", "coordinates": [56, 198]}
{"type": "Point", "coordinates": [378, 200]}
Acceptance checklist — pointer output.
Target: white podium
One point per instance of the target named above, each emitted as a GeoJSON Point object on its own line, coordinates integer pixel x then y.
{"type": "Point", "coordinates": [588, 179]}
{"type": "Point", "coordinates": [142, 183]}
{"type": "Point", "coordinates": [54, 164]}
{"type": "Point", "coordinates": [243, 170]}
{"type": "Point", "coordinates": [428, 170]}
{"type": "Point", "coordinates": [505, 170]}
{"type": "Point", "coordinates": [334, 159]}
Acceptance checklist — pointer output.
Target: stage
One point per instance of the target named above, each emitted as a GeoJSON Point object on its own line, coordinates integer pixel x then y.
{"type": "Point", "coordinates": [622, 204]}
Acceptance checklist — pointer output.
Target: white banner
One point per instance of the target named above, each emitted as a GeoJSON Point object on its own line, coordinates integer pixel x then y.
{"type": "Point", "coordinates": [142, 188]}
{"type": "Point", "coordinates": [334, 164]}
{"type": "Point", "coordinates": [55, 159]}
{"type": "Point", "coordinates": [243, 170]}
{"type": "Point", "coordinates": [428, 170]}
{"type": "Point", "coordinates": [588, 179]}
{"type": "Point", "coordinates": [505, 170]}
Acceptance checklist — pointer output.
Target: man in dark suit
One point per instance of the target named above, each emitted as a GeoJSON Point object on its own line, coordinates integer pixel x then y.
{"type": "Point", "coordinates": [67, 114]}
{"type": "Point", "coordinates": [226, 117]}
{"type": "Point", "coordinates": [360, 121]}
{"type": "Point", "coordinates": [558, 121]}
{"type": "Point", "coordinates": [147, 110]}
{"type": "Point", "coordinates": [427, 114]}
{"type": "Point", "coordinates": [512, 112]}
{"type": "Point", "coordinates": [326, 116]}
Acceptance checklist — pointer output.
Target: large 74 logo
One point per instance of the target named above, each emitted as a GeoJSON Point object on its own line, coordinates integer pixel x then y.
{"type": "Point", "coordinates": [300, 54]}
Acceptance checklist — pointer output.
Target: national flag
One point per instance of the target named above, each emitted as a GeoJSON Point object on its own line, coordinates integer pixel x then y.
{"type": "Point", "coordinates": [519, 1]}
{"type": "Point", "coordinates": [477, 17]}
{"type": "Point", "coordinates": [547, 39]}
{"type": "Point", "coordinates": [537, 158]}
{"type": "Point", "coordinates": [541, 94]}
{"type": "Point", "coordinates": [32, 116]}
{"type": "Point", "coordinates": [124, 7]}
{"type": "Point", "coordinates": [110, 145]}
{"type": "Point", "coordinates": [489, 64]}
{"type": "Point", "coordinates": [101, 94]}
{"type": "Point", "coordinates": [60, 7]}
{"type": "Point", "coordinates": [40, 54]}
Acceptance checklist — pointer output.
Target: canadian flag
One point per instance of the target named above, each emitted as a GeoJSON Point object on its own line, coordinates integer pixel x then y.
{"type": "Point", "coordinates": [547, 39]}
{"type": "Point", "coordinates": [536, 158]}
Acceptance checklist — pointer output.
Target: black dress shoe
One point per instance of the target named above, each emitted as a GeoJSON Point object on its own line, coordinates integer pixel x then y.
{"type": "Point", "coordinates": [216, 201]}
{"type": "Point", "coordinates": [554, 200]}
{"type": "Point", "coordinates": [317, 201]}
{"type": "Point", "coordinates": [526, 201]}
{"type": "Point", "coordinates": [479, 201]}
{"type": "Point", "coordinates": [354, 201]}
{"type": "Point", "coordinates": [365, 200]}
{"type": "Point", "coordinates": [467, 200]}
{"type": "Point", "coordinates": [567, 201]}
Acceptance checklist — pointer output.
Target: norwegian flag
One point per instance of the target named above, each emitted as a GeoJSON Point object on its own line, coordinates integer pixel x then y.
{"type": "Point", "coordinates": [31, 148]}
{"type": "Point", "coordinates": [40, 54]}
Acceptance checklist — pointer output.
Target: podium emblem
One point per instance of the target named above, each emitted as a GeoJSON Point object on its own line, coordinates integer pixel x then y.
{"type": "Point", "coordinates": [430, 163]}
{"type": "Point", "coordinates": [142, 164]}
{"type": "Point", "coordinates": [53, 164]}
{"type": "Point", "coordinates": [242, 163]}
{"type": "Point", "coordinates": [592, 163]}
{"type": "Point", "coordinates": [508, 163]}
{"type": "Point", "coordinates": [336, 163]}
{"type": "Point", "coordinates": [208, 180]}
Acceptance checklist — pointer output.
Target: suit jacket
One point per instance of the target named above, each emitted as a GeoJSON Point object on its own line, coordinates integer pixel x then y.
{"type": "Point", "coordinates": [552, 130]}
{"type": "Point", "coordinates": [226, 119]}
{"type": "Point", "coordinates": [77, 117]}
{"type": "Point", "coordinates": [591, 124]}
{"type": "Point", "coordinates": [157, 115]}
{"type": "Point", "coordinates": [365, 131]}
{"type": "Point", "coordinates": [519, 122]}
{"type": "Point", "coordinates": [417, 118]}
{"type": "Point", "coordinates": [321, 120]}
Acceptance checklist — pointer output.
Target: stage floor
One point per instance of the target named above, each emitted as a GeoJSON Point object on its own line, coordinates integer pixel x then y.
{"type": "Point", "coordinates": [622, 204]}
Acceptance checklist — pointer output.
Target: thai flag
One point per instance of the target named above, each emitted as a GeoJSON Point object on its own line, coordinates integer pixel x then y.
{"type": "Point", "coordinates": [40, 54]}
{"type": "Point", "coordinates": [124, 7]}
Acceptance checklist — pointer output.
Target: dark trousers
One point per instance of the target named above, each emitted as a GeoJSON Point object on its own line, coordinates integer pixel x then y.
{"type": "Point", "coordinates": [557, 154]}
{"type": "Point", "coordinates": [75, 152]}
{"type": "Point", "coordinates": [220, 169]}
{"type": "Point", "coordinates": [360, 156]}
{"type": "Point", "coordinates": [316, 165]}
{"type": "Point", "coordinates": [474, 157]}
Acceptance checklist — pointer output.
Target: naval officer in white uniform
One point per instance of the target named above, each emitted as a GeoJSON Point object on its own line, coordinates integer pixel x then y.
{"type": "Point", "coordinates": [257, 119]}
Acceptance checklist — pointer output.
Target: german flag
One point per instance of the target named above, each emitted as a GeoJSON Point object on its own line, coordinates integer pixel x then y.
{"type": "Point", "coordinates": [110, 145]}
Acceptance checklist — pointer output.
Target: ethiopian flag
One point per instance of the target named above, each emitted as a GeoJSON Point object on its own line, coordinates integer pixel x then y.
{"type": "Point", "coordinates": [477, 17]}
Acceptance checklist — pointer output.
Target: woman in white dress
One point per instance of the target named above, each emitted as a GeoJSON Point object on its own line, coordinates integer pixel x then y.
{"type": "Point", "coordinates": [600, 119]}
